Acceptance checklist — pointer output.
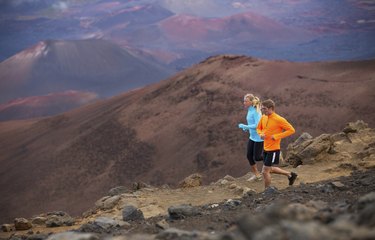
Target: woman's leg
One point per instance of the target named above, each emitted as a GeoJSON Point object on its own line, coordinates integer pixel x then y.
{"type": "Point", "coordinates": [258, 155]}
{"type": "Point", "coordinates": [251, 147]}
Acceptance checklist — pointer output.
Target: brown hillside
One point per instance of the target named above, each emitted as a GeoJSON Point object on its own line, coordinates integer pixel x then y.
{"type": "Point", "coordinates": [333, 191]}
{"type": "Point", "coordinates": [166, 131]}
{"type": "Point", "coordinates": [45, 105]}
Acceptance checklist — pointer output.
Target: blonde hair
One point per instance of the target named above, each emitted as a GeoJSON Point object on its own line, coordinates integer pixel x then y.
{"type": "Point", "coordinates": [254, 100]}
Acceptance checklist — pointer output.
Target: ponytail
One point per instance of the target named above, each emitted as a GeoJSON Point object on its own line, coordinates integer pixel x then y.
{"type": "Point", "coordinates": [256, 104]}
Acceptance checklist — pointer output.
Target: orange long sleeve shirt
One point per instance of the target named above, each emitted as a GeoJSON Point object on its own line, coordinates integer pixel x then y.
{"type": "Point", "coordinates": [276, 126]}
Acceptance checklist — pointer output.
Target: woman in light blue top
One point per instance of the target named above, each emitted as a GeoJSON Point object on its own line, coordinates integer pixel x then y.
{"type": "Point", "coordinates": [255, 143]}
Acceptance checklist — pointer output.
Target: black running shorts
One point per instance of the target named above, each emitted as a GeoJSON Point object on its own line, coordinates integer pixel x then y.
{"type": "Point", "coordinates": [271, 158]}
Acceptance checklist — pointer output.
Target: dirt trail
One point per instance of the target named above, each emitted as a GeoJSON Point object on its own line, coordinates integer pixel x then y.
{"type": "Point", "coordinates": [156, 201]}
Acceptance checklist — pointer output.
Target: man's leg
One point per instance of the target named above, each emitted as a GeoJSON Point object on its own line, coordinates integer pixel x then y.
{"type": "Point", "coordinates": [278, 170]}
{"type": "Point", "coordinates": [267, 165]}
{"type": "Point", "coordinates": [266, 176]}
{"type": "Point", "coordinates": [292, 176]}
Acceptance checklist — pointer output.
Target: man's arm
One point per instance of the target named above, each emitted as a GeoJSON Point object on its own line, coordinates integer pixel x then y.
{"type": "Point", "coordinates": [287, 127]}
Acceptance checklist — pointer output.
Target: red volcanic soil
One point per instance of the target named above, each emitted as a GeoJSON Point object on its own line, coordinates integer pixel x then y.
{"type": "Point", "coordinates": [166, 131]}
{"type": "Point", "coordinates": [240, 27]}
{"type": "Point", "coordinates": [47, 105]}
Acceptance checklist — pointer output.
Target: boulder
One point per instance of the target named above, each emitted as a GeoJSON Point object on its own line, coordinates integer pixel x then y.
{"type": "Point", "coordinates": [73, 236]}
{"type": "Point", "coordinates": [107, 202]}
{"type": "Point", "coordinates": [299, 212]}
{"type": "Point", "coordinates": [139, 185]}
{"type": "Point", "coordinates": [131, 213]}
{"type": "Point", "coordinates": [182, 211]}
{"type": "Point", "coordinates": [22, 224]}
{"type": "Point", "coordinates": [173, 233]}
{"type": "Point", "coordinates": [58, 219]}
{"type": "Point", "coordinates": [39, 220]}
{"type": "Point", "coordinates": [317, 146]}
{"type": "Point", "coordinates": [304, 137]}
{"type": "Point", "coordinates": [353, 127]}
{"type": "Point", "coordinates": [117, 191]}
{"type": "Point", "coordinates": [7, 227]}
{"type": "Point", "coordinates": [293, 149]}
{"type": "Point", "coordinates": [193, 180]}
{"type": "Point", "coordinates": [100, 225]}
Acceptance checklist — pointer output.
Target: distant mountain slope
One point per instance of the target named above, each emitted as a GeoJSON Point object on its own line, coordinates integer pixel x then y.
{"type": "Point", "coordinates": [132, 18]}
{"type": "Point", "coordinates": [89, 65]}
{"type": "Point", "coordinates": [166, 131]}
{"type": "Point", "coordinates": [45, 105]}
{"type": "Point", "coordinates": [228, 32]}
{"type": "Point", "coordinates": [309, 30]}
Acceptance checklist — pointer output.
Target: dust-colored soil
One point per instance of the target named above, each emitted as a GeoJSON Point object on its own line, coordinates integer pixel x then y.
{"type": "Point", "coordinates": [224, 218]}
{"type": "Point", "coordinates": [154, 202]}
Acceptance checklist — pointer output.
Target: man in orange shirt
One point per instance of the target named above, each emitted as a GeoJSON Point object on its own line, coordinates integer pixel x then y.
{"type": "Point", "coordinates": [272, 128]}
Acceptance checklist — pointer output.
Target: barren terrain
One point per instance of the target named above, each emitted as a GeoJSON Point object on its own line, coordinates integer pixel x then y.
{"type": "Point", "coordinates": [334, 181]}
{"type": "Point", "coordinates": [164, 132]}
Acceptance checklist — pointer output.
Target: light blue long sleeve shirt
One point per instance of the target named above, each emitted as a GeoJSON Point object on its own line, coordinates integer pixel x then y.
{"type": "Point", "coordinates": [253, 118]}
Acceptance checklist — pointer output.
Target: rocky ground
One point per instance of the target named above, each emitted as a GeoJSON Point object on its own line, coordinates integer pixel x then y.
{"type": "Point", "coordinates": [286, 214]}
{"type": "Point", "coordinates": [333, 198]}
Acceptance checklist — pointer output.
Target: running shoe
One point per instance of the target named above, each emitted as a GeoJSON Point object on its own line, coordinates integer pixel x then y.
{"type": "Point", "coordinates": [292, 178]}
{"type": "Point", "coordinates": [255, 178]}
